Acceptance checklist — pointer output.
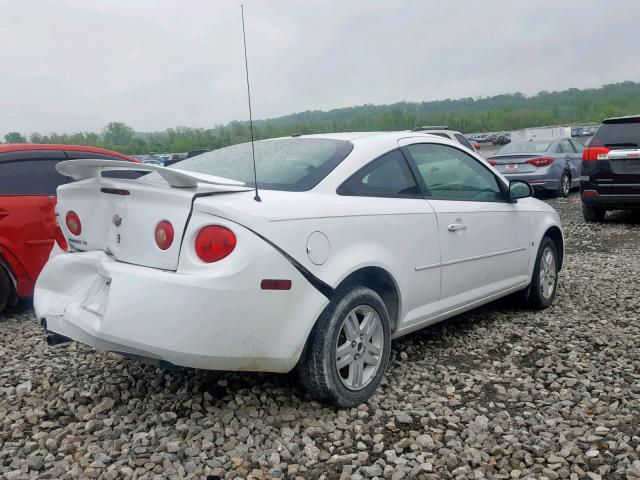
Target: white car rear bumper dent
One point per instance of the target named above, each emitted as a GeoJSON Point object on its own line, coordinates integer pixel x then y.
{"type": "Point", "coordinates": [215, 323]}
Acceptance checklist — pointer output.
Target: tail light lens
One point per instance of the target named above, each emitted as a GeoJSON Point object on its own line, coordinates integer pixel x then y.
{"type": "Point", "coordinates": [595, 153]}
{"type": "Point", "coordinates": [164, 234]}
{"type": "Point", "coordinates": [541, 162]}
{"type": "Point", "coordinates": [214, 242]}
{"type": "Point", "coordinates": [59, 236]}
{"type": "Point", "coordinates": [492, 162]}
{"type": "Point", "coordinates": [73, 223]}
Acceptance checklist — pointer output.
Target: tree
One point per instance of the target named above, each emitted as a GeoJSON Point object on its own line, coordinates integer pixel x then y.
{"type": "Point", "coordinates": [15, 137]}
{"type": "Point", "coordinates": [117, 133]}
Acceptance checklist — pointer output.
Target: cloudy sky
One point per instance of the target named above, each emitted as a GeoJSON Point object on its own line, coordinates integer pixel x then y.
{"type": "Point", "coordinates": [70, 65]}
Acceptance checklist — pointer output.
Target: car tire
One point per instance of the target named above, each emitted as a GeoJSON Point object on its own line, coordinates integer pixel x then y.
{"type": "Point", "coordinates": [341, 337]}
{"type": "Point", "coordinates": [6, 289]}
{"type": "Point", "coordinates": [593, 214]}
{"type": "Point", "coordinates": [544, 281]}
{"type": "Point", "coordinates": [565, 185]}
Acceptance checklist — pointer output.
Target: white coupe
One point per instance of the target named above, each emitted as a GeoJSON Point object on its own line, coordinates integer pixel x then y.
{"type": "Point", "coordinates": [359, 238]}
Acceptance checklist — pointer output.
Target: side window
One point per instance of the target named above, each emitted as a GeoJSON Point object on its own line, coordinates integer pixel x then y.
{"type": "Point", "coordinates": [451, 174]}
{"type": "Point", "coordinates": [387, 176]}
{"type": "Point", "coordinates": [30, 177]}
{"type": "Point", "coordinates": [462, 140]}
{"type": "Point", "coordinates": [565, 147]}
{"type": "Point", "coordinates": [578, 146]}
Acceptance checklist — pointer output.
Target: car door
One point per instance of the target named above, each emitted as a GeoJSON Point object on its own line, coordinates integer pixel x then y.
{"type": "Point", "coordinates": [576, 160]}
{"type": "Point", "coordinates": [404, 225]}
{"type": "Point", "coordinates": [484, 238]}
{"type": "Point", "coordinates": [570, 156]}
{"type": "Point", "coordinates": [28, 183]}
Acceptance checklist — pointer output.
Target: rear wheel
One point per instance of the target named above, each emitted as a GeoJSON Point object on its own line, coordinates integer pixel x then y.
{"type": "Point", "coordinates": [565, 185]}
{"type": "Point", "coordinates": [348, 349]}
{"type": "Point", "coordinates": [5, 289]}
{"type": "Point", "coordinates": [593, 214]}
{"type": "Point", "coordinates": [545, 275]}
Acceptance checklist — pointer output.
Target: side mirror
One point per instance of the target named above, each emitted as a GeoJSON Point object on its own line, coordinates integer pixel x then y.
{"type": "Point", "coordinates": [519, 189]}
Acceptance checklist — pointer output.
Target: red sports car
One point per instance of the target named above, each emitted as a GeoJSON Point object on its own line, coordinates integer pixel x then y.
{"type": "Point", "coordinates": [28, 182]}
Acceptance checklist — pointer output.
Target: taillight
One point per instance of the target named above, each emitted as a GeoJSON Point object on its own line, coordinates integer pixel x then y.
{"type": "Point", "coordinates": [595, 153]}
{"type": "Point", "coordinates": [541, 162]}
{"type": "Point", "coordinates": [73, 223]}
{"type": "Point", "coordinates": [164, 234]}
{"type": "Point", "coordinates": [59, 236]}
{"type": "Point", "coordinates": [214, 242]}
{"type": "Point", "coordinates": [492, 162]}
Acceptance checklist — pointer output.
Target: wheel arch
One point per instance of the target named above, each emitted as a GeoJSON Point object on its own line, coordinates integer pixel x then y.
{"type": "Point", "coordinates": [382, 282]}
{"type": "Point", "coordinates": [555, 234]}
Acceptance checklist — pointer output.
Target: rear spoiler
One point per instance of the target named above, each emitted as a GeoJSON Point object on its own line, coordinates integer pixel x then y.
{"type": "Point", "coordinates": [88, 168]}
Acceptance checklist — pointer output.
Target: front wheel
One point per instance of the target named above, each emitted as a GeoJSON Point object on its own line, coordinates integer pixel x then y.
{"type": "Point", "coordinates": [348, 349]}
{"type": "Point", "coordinates": [545, 275]}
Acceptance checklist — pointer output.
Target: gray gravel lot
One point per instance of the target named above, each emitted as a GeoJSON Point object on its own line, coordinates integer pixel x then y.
{"type": "Point", "coordinates": [501, 392]}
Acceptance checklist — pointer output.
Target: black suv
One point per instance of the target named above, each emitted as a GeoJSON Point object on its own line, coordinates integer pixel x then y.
{"type": "Point", "coordinates": [611, 168]}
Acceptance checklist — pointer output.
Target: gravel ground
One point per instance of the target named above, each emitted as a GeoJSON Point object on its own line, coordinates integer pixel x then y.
{"type": "Point", "coordinates": [501, 392]}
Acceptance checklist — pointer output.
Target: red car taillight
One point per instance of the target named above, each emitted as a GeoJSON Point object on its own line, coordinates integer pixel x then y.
{"type": "Point", "coordinates": [595, 153]}
{"type": "Point", "coordinates": [59, 236]}
{"type": "Point", "coordinates": [164, 234]}
{"type": "Point", "coordinates": [214, 242]}
{"type": "Point", "coordinates": [73, 223]}
{"type": "Point", "coordinates": [492, 162]}
{"type": "Point", "coordinates": [541, 162]}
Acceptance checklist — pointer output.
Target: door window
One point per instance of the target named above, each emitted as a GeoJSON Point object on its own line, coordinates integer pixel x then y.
{"type": "Point", "coordinates": [578, 146]}
{"type": "Point", "coordinates": [461, 139]}
{"type": "Point", "coordinates": [565, 147]}
{"type": "Point", "coordinates": [387, 176]}
{"type": "Point", "coordinates": [30, 177]}
{"type": "Point", "coordinates": [451, 174]}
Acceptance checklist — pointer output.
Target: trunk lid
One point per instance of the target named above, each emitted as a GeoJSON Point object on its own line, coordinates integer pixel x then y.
{"type": "Point", "coordinates": [514, 163]}
{"type": "Point", "coordinates": [119, 216]}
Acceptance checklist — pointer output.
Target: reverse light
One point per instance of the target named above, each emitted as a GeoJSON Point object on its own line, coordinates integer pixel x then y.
{"type": "Point", "coordinates": [73, 223]}
{"type": "Point", "coordinates": [541, 162]}
{"type": "Point", "coordinates": [214, 242]}
{"type": "Point", "coordinates": [164, 234]}
{"type": "Point", "coordinates": [595, 153]}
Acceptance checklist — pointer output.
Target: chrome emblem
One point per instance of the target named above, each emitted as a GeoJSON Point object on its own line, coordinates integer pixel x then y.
{"type": "Point", "coordinates": [117, 220]}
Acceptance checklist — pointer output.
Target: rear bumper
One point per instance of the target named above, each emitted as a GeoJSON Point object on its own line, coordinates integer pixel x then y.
{"type": "Point", "coordinates": [536, 180]}
{"type": "Point", "coordinates": [623, 196]}
{"type": "Point", "coordinates": [201, 321]}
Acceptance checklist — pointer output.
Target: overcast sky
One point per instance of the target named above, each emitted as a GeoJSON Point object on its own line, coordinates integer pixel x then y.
{"type": "Point", "coordinates": [71, 65]}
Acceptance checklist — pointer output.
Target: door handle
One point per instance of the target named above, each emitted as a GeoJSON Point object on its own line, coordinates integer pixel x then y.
{"type": "Point", "coordinates": [454, 227]}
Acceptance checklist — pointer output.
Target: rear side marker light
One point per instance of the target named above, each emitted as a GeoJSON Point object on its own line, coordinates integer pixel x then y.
{"type": "Point", "coordinates": [164, 234]}
{"type": "Point", "coordinates": [492, 162]}
{"type": "Point", "coordinates": [595, 153]}
{"type": "Point", "coordinates": [590, 193]}
{"type": "Point", "coordinates": [73, 223]}
{"type": "Point", "coordinates": [214, 242]}
{"type": "Point", "coordinates": [272, 284]}
{"type": "Point", "coordinates": [541, 162]}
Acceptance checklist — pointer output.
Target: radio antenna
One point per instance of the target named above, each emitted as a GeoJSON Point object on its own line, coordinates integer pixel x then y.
{"type": "Point", "coordinates": [246, 67]}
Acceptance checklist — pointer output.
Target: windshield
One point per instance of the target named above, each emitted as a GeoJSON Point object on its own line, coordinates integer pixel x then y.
{"type": "Point", "coordinates": [532, 146]}
{"type": "Point", "coordinates": [292, 164]}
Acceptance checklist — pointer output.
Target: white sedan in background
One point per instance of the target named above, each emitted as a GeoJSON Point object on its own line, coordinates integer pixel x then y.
{"type": "Point", "coordinates": [358, 239]}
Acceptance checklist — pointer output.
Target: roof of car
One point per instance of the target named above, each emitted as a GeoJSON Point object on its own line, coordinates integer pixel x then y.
{"type": "Point", "coordinates": [18, 147]}
{"type": "Point", "coordinates": [626, 119]}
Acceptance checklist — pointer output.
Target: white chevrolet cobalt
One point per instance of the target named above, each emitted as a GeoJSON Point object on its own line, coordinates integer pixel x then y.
{"type": "Point", "coordinates": [357, 239]}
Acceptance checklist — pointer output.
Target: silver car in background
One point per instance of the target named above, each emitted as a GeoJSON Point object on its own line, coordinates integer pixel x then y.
{"type": "Point", "coordinates": [552, 165]}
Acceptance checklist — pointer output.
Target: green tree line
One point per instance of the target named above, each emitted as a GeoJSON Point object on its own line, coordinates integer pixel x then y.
{"type": "Point", "coordinates": [484, 114]}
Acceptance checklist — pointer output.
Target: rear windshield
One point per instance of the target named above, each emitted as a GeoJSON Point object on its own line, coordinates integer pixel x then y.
{"type": "Point", "coordinates": [532, 146]}
{"type": "Point", "coordinates": [617, 136]}
{"type": "Point", "coordinates": [292, 164]}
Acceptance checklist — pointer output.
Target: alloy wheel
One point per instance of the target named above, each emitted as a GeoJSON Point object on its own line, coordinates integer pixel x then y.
{"type": "Point", "coordinates": [548, 273]}
{"type": "Point", "coordinates": [359, 347]}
